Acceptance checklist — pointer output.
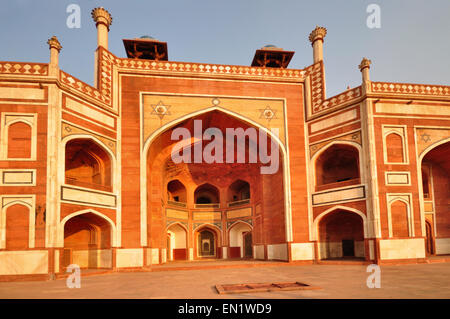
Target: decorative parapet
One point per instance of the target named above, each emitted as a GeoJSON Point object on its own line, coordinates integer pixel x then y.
{"type": "Point", "coordinates": [339, 99]}
{"type": "Point", "coordinates": [317, 91]}
{"type": "Point", "coordinates": [84, 88]}
{"type": "Point", "coordinates": [105, 72]}
{"type": "Point", "coordinates": [317, 86]}
{"type": "Point", "coordinates": [211, 69]}
{"type": "Point", "coordinates": [414, 89]}
{"type": "Point", "coordinates": [107, 62]}
{"type": "Point", "coordinates": [23, 68]}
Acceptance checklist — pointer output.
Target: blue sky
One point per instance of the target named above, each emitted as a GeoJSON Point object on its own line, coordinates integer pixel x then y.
{"type": "Point", "coordinates": [411, 46]}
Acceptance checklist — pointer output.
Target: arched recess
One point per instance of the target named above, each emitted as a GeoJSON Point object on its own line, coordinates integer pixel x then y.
{"type": "Point", "coordinates": [399, 218]}
{"type": "Point", "coordinates": [339, 207]}
{"type": "Point", "coordinates": [111, 168]}
{"type": "Point", "coordinates": [239, 190]}
{"type": "Point", "coordinates": [18, 136]}
{"type": "Point", "coordinates": [177, 248]}
{"type": "Point", "coordinates": [17, 228]}
{"type": "Point", "coordinates": [239, 240]}
{"type": "Point", "coordinates": [331, 167]}
{"type": "Point", "coordinates": [87, 164]}
{"type": "Point", "coordinates": [206, 194]}
{"type": "Point", "coordinates": [340, 233]}
{"type": "Point", "coordinates": [114, 233]}
{"type": "Point", "coordinates": [144, 170]}
{"type": "Point", "coordinates": [395, 147]}
{"type": "Point", "coordinates": [176, 191]}
{"type": "Point", "coordinates": [88, 239]}
{"type": "Point", "coordinates": [20, 139]}
{"type": "Point", "coordinates": [435, 157]}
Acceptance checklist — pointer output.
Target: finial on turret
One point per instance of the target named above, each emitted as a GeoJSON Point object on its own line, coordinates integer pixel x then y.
{"type": "Point", "coordinates": [101, 15]}
{"type": "Point", "coordinates": [103, 20]}
{"type": "Point", "coordinates": [365, 63]}
{"type": "Point", "coordinates": [54, 43]}
{"type": "Point", "coordinates": [318, 33]}
{"type": "Point", "coordinates": [364, 67]}
{"type": "Point", "coordinates": [54, 47]}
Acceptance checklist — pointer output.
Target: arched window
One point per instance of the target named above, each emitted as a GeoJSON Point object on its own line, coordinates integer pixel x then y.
{"type": "Point", "coordinates": [394, 148]}
{"type": "Point", "coordinates": [339, 163]}
{"type": "Point", "coordinates": [87, 165]}
{"type": "Point", "coordinates": [206, 194]}
{"type": "Point", "coordinates": [19, 140]}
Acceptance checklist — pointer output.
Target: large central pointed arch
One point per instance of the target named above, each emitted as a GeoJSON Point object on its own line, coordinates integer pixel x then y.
{"type": "Point", "coordinates": [145, 145]}
{"type": "Point", "coordinates": [420, 160]}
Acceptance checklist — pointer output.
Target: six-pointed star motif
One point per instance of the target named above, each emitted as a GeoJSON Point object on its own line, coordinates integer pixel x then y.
{"type": "Point", "coordinates": [160, 109]}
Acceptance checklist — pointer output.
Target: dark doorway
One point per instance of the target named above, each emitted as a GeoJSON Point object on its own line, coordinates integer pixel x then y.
{"type": "Point", "coordinates": [206, 244]}
{"type": "Point", "coordinates": [203, 200]}
{"type": "Point", "coordinates": [429, 243]}
{"type": "Point", "coordinates": [248, 249]}
{"type": "Point", "coordinates": [348, 248]}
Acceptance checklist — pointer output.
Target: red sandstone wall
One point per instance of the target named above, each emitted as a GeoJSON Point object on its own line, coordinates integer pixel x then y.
{"type": "Point", "coordinates": [273, 209]}
{"type": "Point", "coordinates": [40, 164]}
{"type": "Point", "coordinates": [410, 167]}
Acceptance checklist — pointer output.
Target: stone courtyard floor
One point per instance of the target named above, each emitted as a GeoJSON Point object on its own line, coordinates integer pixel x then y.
{"type": "Point", "coordinates": [336, 281]}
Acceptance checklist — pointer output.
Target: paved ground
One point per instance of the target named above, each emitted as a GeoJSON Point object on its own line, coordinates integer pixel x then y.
{"type": "Point", "coordinates": [336, 281]}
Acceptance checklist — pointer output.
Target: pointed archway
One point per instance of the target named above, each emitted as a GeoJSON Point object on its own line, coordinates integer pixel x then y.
{"type": "Point", "coordinates": [435, 194]}
{"type": "Point", "coordinates": [341, 235]}
{"type": "Point", "coordinates": [177, 242]}
{"type": "Point", "coordinates": [87, 241]}
{"type": "Point", "coordinates": [240, 240]}
{"type": "Point", "coordinates": [207, 242]}
{"type": "Point", "coordinates": [270, 196]}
